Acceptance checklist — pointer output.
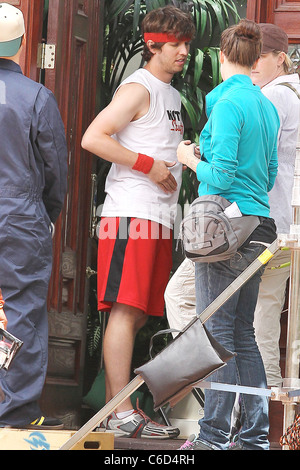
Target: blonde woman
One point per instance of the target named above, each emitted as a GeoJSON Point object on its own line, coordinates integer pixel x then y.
{"type": "Point", "coordinates": [278, 83]}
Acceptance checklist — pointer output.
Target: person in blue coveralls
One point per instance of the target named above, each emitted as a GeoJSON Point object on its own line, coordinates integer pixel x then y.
{"type": "Point", "coordinates": [33, 181]}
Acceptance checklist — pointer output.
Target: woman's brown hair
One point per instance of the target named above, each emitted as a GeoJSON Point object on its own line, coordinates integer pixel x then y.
{"type": "Point", "coordinates": [168, 19]}
{"type": "Point", "coordinates": [241, 43]}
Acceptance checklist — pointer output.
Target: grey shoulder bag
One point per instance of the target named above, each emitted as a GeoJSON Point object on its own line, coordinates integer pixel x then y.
{"type": "Point", "coordinates": [208, 234]}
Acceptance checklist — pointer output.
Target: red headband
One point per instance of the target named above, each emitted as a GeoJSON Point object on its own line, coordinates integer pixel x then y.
{"type": "Point", "coordinates": [163, 37]}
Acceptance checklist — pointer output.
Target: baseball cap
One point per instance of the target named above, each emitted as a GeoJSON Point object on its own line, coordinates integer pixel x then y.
{"type": "Point", "coordinates": [12, 28]}
{"type": "Point", "coordinates": [273, 38]}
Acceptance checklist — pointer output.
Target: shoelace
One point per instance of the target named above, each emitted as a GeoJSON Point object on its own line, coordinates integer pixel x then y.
{"type": "Point", "coordinates": [140, 412]}
{"type": "Point", "coordinates": [187, 443]}
{"type": "Point", "coordinates": [144, 416]}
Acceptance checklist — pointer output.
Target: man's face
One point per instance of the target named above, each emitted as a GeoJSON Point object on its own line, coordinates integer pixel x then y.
{"type": "Point", "coordinates": [172, 56]}
{"type": "Point", "coordinates": [269, 67]}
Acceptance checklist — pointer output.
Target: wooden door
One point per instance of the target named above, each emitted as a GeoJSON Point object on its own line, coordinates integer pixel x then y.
{"type": "Point", "coordinates": [74, 28]}
{"type": "Point", "coordinates": [284, 13]}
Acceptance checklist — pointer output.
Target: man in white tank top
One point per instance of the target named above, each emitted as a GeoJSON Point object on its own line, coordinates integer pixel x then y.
{"type": "Point", "coordinates": [139, 132]}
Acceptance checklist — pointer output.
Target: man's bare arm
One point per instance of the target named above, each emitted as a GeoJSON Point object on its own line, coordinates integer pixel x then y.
{"type": "Point", "coordinates": [130, 103]}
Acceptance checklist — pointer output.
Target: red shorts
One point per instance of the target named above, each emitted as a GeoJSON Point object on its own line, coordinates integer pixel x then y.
{"type": "Point", "coordinates": [134, 264]}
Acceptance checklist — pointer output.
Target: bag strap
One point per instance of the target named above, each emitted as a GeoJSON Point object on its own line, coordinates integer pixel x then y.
{"type": "Point", "coordinates": [172, 330]}
{"type": "Point", "coordinates": [290, 87]}
{"type": "Point", "coordinates": [298, 95]}
{"type": "Point", "coordinates": [161, 332]}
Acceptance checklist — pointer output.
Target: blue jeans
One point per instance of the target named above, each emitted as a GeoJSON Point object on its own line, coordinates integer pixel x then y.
{"type": "Point", "coordinates": [232, 326]}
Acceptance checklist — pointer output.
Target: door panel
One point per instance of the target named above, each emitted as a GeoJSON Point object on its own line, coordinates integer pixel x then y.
{"type": "Point", "coordinates": [284, 13]}
{"type": "Point", "coordinates": [75, 28]}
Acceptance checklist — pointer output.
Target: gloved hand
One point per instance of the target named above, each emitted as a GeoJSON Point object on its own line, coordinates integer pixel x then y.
{"type": "Point", "coordinates": [186, 154]}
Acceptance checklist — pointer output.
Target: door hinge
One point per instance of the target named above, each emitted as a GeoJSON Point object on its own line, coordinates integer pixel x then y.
{"type": "Point", "coordinates": [46, 56]}
{"type": "Point", "coordinates": [90, 272]}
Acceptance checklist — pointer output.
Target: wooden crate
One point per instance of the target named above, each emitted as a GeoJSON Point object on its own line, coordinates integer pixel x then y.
{"type": "Point", "coordinates": [24, 439]}
{"type": "Point", "coordinates": [96, 441]}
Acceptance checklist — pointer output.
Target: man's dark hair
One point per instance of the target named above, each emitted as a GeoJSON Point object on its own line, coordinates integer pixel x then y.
{"type": "Point", "coordinates": [168, 19]}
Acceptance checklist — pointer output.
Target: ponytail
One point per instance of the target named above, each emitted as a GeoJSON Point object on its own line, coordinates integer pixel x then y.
{"type": "Point", "coordinates": [242, 43]}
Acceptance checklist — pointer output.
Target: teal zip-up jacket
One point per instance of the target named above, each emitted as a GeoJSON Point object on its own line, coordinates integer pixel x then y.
{"type": "Point", "coordinates": [238, 145]}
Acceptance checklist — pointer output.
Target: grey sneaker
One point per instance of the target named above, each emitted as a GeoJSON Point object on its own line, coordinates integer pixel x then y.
{"type": "Point", "coordinates": [235, 446]}
{"type": "Point", "coordinates": [187, 443]}
{"type": "Point", "coordinates": [197, 444]}
{"type": "Point", "coordinates": [139, 425]}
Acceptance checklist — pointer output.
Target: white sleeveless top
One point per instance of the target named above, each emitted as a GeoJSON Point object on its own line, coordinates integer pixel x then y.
{"type": "Point", "coordinates": [131, 193]}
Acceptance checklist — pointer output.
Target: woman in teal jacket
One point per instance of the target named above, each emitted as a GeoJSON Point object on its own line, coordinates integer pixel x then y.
{"type": "Point", "coordinates": [240, 130]}
{"type": "Point", "coordinates": [238, 147]}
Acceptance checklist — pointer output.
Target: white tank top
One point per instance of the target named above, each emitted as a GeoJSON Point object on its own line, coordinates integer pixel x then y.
{"type": "Point", "coordinates": [131, 193]}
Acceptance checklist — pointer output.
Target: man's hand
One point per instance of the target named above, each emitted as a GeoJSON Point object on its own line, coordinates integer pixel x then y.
{"type": "Point", "coordinates": [161, 175]}
{"type": "Point", "coordinates": [186, 154]}
{"type": "Point", "coordinates": [3, 319]}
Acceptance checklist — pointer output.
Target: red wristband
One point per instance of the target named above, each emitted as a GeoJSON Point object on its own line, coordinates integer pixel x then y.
{"type": "Point", "coordinates": [143, 163]}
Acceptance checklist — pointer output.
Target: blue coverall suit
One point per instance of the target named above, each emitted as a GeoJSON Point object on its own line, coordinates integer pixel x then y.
{"type": "Point", "coordinates": [33, 181]}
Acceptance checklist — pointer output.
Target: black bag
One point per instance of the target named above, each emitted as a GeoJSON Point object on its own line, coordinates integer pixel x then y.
{"type": "Point", "coordinates": [209, 235]}
{"type": "Point", "coordinates": [189, 358]}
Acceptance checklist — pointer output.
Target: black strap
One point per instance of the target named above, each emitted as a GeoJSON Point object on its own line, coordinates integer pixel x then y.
{"type": "Point", "coordinates": [161, 332]}
{"type": "Point", "coordinates": [290, 87]}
